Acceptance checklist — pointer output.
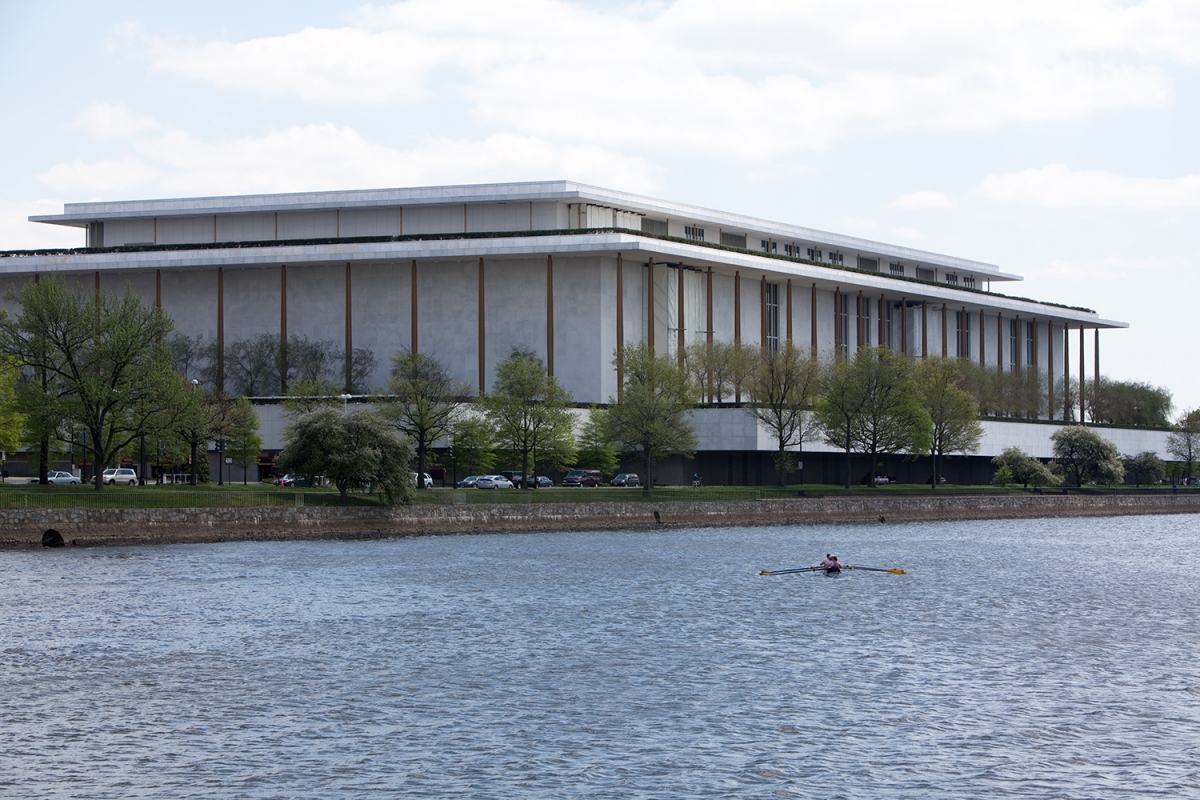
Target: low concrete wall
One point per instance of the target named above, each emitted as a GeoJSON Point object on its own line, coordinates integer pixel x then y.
{"type": "Point", "coordinates": [86, 527]}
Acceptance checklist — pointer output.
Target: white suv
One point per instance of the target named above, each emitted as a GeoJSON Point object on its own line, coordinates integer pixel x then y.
{"type": "Point", "coordinates": [125, 476]}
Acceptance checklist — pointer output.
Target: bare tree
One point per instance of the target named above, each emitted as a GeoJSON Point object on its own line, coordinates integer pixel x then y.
{"type": "Point", "coordinates": [782, 391]}
{"type": "Point", "coordinates": [1183, 441]}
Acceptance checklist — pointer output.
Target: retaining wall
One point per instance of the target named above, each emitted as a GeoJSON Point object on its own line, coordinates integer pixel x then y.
{"type": "Point", "coordinates": [87, 527]}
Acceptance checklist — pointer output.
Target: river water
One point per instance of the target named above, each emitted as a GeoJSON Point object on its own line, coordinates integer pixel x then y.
{"type": "Point", "coordinates": [1043, 658]}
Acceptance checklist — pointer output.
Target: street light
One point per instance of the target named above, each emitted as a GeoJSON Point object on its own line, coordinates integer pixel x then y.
{"type": "Point", "coordinates": [345, 400]}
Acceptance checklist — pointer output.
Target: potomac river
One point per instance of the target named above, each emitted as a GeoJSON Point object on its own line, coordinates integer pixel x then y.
{"type": "Point", "coordinates": [1039, 658]}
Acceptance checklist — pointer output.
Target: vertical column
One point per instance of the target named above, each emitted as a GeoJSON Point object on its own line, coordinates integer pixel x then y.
{"type": "Point", "coordinates": [650, 306]}
{"type": "Point", "coordinates": [349, 334]}
{"type": "Point", "coordinates": [814, 320]}
{"type": "Point", "coordinates": [924, 329]}
{"type": "Point", "coordinates": [550, 316]}
{"type": "Point", "coordinates": [1082, 376]}
{"type": "Point", "coordinates": [283, 331]}
{"type": "Point", "coordinates": [904, 325]}
{"type": "Point", "coordinates": [413, 311]}
{"type": "Point", "coordinates": [762, 313]}
{"type": "Point", "coordinates": [97, 287]}
{"type": "Point", "coordinates": [482, 328]}
{"type": "Point", "coordinates": [945, 348]}
{"type": "Point", "coordinates": [789, 310]}
{"type": "Point", "coordinates": [1066, 372]}
{"type": "Point", "coordinates": [220, 322]}
{"type": "Point", "coordinates": [620, 324]}
{"type": "Point", "coordinates": [859, 327]}
{"type": "Point", "coordinates": [1000, 341]}
{"type": "Point", "coordinates": [964, 343]}
{"type": "Point", "coordinates": [680, 319]}
{"type": "Point", "coordinates": [1033, 326]}
{"type": "Point", "coordinates": [737, 308]}
{"type": "Point", "coordinates": [1050, 368]}
{"type": "Point", "coordinates": [1096, 356]}
{"type": "Point", "coordinates": [982, 359]}
{"type": "Point", "coordinates": [837, 323]}
{"type": "Point", "coordinates": [1019, 344]}
{"type": "Point", "coordinates": [708, 324]}
{"type": "Point", "coordinates": [158, 289]}
{"type": "Point", "coordinates": [882, 322]}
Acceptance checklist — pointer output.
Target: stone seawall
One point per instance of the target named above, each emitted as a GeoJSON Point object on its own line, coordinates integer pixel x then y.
{"type": "Point", "coordinates": [88, 527]}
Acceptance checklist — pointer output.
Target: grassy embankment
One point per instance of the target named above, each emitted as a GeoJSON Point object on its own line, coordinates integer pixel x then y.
{"type": "Point", "coordinates": [255, 495]}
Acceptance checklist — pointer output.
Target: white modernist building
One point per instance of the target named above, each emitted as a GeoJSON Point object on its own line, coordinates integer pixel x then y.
{"type": "Point", "coordinates": [466, 273]}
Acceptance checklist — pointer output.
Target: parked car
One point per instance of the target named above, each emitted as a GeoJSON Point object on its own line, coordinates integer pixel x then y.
{"type": "Point", "coordinates": [294, 481]}
{"type": "Point", "coordinates": [626, 479]}
{"type": "Point", "coordinates": [493, 482]}
{"type": "Point", "coordinates": [58, 479]}
{"type": "Point", "coordinates": [543, 482]}
{"type": "Point", "coordinates": [516, 476]}
{"type": "Point", "coordinates": [468, 482]}
{"type": "Point", "coordinates": [427, 483]}
{"type": "Point", "coordinates": [583, 477]}
{"type": "Point", "coordinates": [125, 476]}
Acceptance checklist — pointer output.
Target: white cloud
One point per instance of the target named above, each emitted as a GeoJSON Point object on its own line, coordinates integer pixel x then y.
{"type": "Point", "coordinates": [106, 121]}
{"type": "Point", "coordinates": [18, 233]}
{"type": "Point", "coordinates": [924, 200]}
{"type": "Point", "coordinates": [772, 78]}
{"type": "Point", "coordinates": [108, 175]}
{"type": "Point", "coordinates": [1058, 186]}
{"type": "Point", "coordinates": [314, 157]}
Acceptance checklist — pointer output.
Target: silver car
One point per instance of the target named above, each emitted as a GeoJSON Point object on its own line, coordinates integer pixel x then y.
{"type": "Point", "coordinates": [125, 476]}
{"type": "Point", "coordinates": [493, 482]}
{"type": "Point", "coordinates": [60, 479]}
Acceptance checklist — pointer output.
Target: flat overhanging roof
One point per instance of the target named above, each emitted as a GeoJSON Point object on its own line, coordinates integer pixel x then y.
{"type": "Point", "coordinates": [81, 214]}
{"type": "Point", "coordinates": [635, 247]}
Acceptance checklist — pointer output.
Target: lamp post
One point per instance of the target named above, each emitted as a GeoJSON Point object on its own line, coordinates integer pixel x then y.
{"type": "Point", "coordinates": [220, 462]}
{"type": "Point", "coordinates": [345, 399]}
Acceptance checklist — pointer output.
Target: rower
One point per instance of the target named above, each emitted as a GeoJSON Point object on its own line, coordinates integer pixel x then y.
{"type": "Point", "coordinates": [831, 565]}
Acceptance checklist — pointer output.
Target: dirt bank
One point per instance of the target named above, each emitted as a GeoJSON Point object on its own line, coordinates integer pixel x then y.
{"type": "Point", "coordinates": [21, 529]}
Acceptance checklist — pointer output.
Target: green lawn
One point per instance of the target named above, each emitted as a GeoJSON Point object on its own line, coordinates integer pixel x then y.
{"type": "Point", "coordinates": [256, 495]}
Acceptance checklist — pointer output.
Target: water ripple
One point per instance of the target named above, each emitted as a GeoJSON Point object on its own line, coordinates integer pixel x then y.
{"type": "Point", "coordinates": [1037, 658]}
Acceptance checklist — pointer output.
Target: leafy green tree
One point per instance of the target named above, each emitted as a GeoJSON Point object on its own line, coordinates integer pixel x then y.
{"type": "Point", "coordinates": [1084, 455]}
{"type": "Point", "coordinates": [1024, 469]}
{"type": "Point", "coordinates": [1128, 403]}
{"type": "Point", "coordinates": [893, 420]}
{"type": "Point", "coordinates": [954, 427]}
{"type": "Point", "coordinates": [243, 444]}
{"type": "Point", "coordinates": [474, 446]}
{"type": "Point", "coordinates": [12, 421]}
{"type": "Point", "coordinates": [195, 418]}
{"type": "Point", "coordinates": [595, 450]}
{"type": "Point", "coordinates": [1183, 441]}
{"type": "Point", "coordinates": [527, 408]}
{"type": "Point", "coordinates": [353, 450]}
{"type": "Point", "coordinates": [423, 402]}
{"type": "Point", "coordinates": [1003, 476]}
{"type": "Point", "coordinates": [841, 401]}
{"type": "Point", "coordinates": [1145, 467]}
{"type": "Point", "coordinates": [106, 354]}
{"type": "Point", "coordinates": [715, 369]}
{"type": "Point", "coordinates": [653, 417]}
{"type": "Point", "coordinates": [782, 392]}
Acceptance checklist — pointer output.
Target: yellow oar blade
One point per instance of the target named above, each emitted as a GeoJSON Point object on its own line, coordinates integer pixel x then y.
{"type": "Point", "coordinates": [896, 571]}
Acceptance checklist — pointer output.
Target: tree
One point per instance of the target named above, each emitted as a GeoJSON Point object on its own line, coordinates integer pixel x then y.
{"type": "Point", "coordinates": [423, 402]}
{"type": "Point", "coordinates": [252, 366]}
{"type": "Point", "coordinates": [1145, 467]}
{"type": "Point", "coordinates": [1024, 469]}
{"type": "Point", "coordinates": [595, 451]}
{"type": "Point", "coordinates": [840, 404]}
{"type": "Point", "coordinates": [12, 421]}
{"type": "Point", "coordinates": [1084, 455]}
{"type": "Point", "coordinates": [782, 391]}
{"type": "Point", "coordinates": [106, 354]}
{"type": "Point", "coordinates": [197, 417]}
{"type": "Point", "coordinates": [652, 418]}
{"type": "Point", "coordinates": [893, 420]}
{"type": "Point", "coordinates": [474, 448]}
{"type": "Point", "coordinates": [352, 450]}
{"type": "Point", "coordinates": [1128, 403]}
{"type": "Point", "coordinates": [243, 444]}
{"type": "Point", "coordinates": [527, 408]}
{"type": "Point", "coordinates": [1183, 441]}
{"type": "Point", "coordinates": [954, 427]}
{"type": "Point", "coordinates": [1003, 476]}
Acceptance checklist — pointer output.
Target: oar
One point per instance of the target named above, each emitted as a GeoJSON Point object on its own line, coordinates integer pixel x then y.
{"type": "Point", "coordinates": [790, 571]}
{"type": "Point", "coordinates": [878, 569]}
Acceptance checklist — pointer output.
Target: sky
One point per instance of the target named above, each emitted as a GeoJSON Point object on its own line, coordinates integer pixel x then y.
{"type": "Point", "coordinates": [1058, 139]}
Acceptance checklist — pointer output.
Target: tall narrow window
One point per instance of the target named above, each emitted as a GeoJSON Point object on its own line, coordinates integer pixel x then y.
{"type": "Point", "coordinates": [896, 268]}
{"type": "Point", "coordinates": [693, 232]}
{"type": "Point", "coordinates": [962, 333]}
{"type": "Point", "coordinates": [772, 316]}
{"type": "Point", "coordinates": [1013, 344]}
{"type": "Point", "coordinates": [888, 326]}
{"type": "Point", "coordinates": [1030, 346]}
